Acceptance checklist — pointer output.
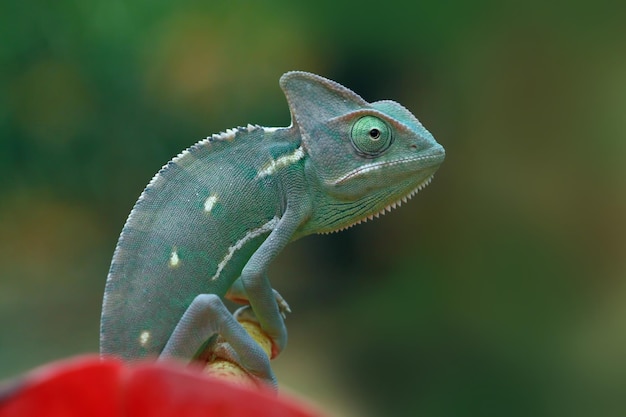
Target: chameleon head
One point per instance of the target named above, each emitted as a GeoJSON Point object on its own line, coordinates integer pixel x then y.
{"type": "Point", "coordinates": [367, 157]}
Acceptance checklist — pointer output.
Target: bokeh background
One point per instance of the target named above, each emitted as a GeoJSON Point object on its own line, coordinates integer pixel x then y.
{"type": "Point", "coordinates": [499, 290]}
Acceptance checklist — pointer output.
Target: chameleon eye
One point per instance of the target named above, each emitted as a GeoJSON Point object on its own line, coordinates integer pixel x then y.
{"type": "Point", "coordinates": [370, 135]}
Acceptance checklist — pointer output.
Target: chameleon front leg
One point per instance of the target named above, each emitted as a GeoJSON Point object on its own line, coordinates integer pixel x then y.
{"type": "Point", "coordinates": [261, 296]}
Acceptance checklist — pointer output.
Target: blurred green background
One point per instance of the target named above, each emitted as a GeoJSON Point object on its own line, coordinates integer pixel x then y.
{"type": "Point", "coordinates": [499, 290]}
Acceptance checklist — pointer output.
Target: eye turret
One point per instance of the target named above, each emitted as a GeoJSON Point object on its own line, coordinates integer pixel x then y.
{"type": "Point", "coordinates": [370, 136]}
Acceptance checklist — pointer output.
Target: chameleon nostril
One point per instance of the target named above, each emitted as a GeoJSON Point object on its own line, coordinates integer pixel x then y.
{"type": "Point", "coordinates": [413, 146]}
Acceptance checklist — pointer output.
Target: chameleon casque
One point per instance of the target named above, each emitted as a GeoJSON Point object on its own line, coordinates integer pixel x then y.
{"type": "Point", "coordinates": [212, 219]}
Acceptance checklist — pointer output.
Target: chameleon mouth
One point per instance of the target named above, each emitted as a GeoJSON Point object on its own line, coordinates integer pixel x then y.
{"type": "Point", "coordinates": [388, 208]}
{"type": "Point", "coordinates": [378, 165]}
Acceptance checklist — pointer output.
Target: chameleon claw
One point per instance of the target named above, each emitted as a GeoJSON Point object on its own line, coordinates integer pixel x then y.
{"type": "Point", "coordinates": [245, 313]}
{"type": "Point", "coordinates": [283, 307]}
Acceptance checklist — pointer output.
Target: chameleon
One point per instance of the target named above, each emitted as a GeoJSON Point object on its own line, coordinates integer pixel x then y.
{"type": "Point", "coordinates": [209, 223]}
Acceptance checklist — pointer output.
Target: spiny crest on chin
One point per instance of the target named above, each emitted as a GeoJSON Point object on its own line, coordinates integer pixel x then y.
{"type": "Point", "coordinates": [386, 209]}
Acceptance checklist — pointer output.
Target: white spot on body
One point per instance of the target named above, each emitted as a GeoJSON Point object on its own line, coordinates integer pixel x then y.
{"type": "Point", "coordinates": [267, 227]}
{"type": "Point", "coordinates": [209, 203]}
{"type": "Point", "coordinates": [174, 259]}
{"type": "Point", "coordinates": [144, 337]}
{"type": "Point", "coordinates": [281, 162]}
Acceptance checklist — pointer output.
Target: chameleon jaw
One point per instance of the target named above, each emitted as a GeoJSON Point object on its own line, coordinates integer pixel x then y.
{"type": "Point", "coordinates": [388, 208]}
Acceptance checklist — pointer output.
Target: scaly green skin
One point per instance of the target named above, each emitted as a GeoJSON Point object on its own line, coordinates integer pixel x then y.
{"type": "Point", "coordinates": [228, 205]}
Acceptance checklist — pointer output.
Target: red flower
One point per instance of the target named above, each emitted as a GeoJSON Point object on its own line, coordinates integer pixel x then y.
{"type": "Point", "coordinates": [94, 387]}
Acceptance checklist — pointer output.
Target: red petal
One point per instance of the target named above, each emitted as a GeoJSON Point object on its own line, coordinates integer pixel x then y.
{"type": "Point", "coordinates": [90, 386]}
{"type": "Point", "coordinates": [84, 386]}
{"type": "Point", "coordinates": [160, 390]}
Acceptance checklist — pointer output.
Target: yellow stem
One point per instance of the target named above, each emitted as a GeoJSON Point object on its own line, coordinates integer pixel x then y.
{"type": "Point", "coordinates": [231, 371]}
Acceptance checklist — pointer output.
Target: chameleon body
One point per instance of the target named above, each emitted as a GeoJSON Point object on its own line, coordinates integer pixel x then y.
{"type": "Point", "coordinates": [211, 220]}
